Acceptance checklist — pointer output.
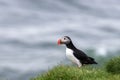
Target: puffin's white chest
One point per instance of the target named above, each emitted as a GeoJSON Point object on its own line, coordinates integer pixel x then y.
{"type": "Point", "coordinates": [70, 55]}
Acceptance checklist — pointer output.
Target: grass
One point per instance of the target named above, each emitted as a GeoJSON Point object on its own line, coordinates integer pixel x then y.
{"type": "Point", "coordinates": [111, 71]}
{"type": "Point", "coordinates": [63, 72]}
{"type": "Point", "coordinates": [113, 65]}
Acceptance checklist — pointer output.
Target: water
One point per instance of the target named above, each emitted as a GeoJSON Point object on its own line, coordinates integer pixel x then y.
{"type": "Point", "coordinates": [29, 30]}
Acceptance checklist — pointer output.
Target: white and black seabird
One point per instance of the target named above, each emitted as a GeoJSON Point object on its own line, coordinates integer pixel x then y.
{"type": "Point", "coordinates": [75, 55]}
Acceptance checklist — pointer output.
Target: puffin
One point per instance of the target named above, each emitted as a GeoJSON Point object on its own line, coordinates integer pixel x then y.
{"type": "Point", "coordinates": [75, 55]}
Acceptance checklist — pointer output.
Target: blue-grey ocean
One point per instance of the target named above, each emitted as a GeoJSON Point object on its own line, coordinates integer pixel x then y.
{"type": "Point", "coordinates": [29, 30]}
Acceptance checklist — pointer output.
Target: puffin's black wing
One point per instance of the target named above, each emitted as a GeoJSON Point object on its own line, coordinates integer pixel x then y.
{"type": "Point", "coordinates": [84, 59]}
{"type": "Point", "coordinates": [80, 54]}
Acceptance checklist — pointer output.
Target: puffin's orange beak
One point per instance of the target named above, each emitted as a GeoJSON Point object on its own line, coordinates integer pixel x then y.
{"type": "Point", "coordinates": [59, 41]}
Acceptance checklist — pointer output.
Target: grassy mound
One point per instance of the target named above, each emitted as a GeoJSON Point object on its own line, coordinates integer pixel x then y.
{"type": "Point", "coordinates": [63, 72]}
{"type": "Point", "coordinates": [113, 66]}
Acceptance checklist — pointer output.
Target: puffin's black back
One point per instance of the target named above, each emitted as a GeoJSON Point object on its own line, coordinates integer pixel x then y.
{"type": "Point", "coordinates": [83, 58]}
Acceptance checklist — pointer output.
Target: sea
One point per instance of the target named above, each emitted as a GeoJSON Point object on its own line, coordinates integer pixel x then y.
{"type": "Point", "coordinates": [29, 30]}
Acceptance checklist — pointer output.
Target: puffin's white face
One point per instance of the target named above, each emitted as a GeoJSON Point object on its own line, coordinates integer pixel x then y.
{"type": "Point", "coordinates": [64, 40]}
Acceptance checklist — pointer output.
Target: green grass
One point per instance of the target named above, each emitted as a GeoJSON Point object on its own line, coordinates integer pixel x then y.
{"type": "Point", "coordinates": [113, 65]}
{"type": "Point", "coordinates": [63, 72]}
{"type": "Point", "coordinates": [111, 71]}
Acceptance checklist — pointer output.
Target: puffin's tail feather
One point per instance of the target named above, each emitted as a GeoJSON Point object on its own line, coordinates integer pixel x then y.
{"type": "Point", "coordinates": [91, 58]}
{"type": "Point", "coordinates": [92, 61]}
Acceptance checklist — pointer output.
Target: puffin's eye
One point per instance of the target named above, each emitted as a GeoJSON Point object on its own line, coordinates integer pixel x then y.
{"type": "Point", "coordinates": [64, 38]}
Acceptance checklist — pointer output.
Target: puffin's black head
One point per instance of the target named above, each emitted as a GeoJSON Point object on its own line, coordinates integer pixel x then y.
{"type": "Point", "coordinates": [64, 40]}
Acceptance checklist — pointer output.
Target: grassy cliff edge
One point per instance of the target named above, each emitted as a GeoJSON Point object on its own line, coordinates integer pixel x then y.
{"type": "Point", "coordinates": [64, 72]}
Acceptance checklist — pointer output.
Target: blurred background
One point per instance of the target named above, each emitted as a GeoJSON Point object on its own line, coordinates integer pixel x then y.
{"type": "Point", "coordinates": [29, 30]}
